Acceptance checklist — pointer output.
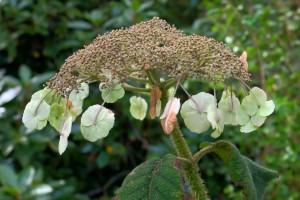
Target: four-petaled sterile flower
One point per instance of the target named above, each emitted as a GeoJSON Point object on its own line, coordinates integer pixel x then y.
{"type": "Point", "coordinates": [254, 110]}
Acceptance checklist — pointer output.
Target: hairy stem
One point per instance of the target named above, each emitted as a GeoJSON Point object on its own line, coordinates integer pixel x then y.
{"type": "Point", "coordinates": [197, 156]}
{"type": "Point", "coordinates": [191, 168]}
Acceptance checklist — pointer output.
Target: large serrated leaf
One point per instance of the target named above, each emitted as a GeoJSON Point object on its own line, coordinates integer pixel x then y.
{"type": "Point", "coordinates": [244, 172]}
{"type": "Point", "coordinates": [156, 179]}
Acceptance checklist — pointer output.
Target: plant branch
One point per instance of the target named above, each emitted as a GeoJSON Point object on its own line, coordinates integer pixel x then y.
{"type": "Point", "coordinates": [197, 156]}
{"type": "Point", "coordinates": [128, 87]}
{"type": "Point", "coordinates": [151, 77]}
{"type": "Point", "coordinates": [190, 169]}
{"type": "Point", "coordinates": [142, 80]}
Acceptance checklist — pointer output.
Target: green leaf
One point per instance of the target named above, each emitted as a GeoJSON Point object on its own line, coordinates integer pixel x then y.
{"type": "Point", "coordinates": [138, 107]}
{"type": "Point", "coordinates": [36, 114]}
{"type": "Point", "coordinates": [194, 112]}
{"type": "Point", "coordinates": [244, 172]}
{"type": "Point", "coordinates": [25, 178]}
{"type": "Point", "coordinates": [24, 73]}
{"type": "Point", "coordinates": [112, 96]}
{"type": "Point", "coordinates": [8, 177]}
{"type": "Point", "coordinates": [156, 179]}
{"type": "Point", "coordinates": [96, 122]}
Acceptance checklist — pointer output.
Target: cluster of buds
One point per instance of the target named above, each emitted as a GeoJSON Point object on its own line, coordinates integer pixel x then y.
{"type": "Point", "coordinates": [149, 45]}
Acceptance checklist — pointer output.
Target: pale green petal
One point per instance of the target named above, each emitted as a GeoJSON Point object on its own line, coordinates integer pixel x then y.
{"type": "Point", "coordinates": [75, 111]}
{"type": "Point", "coordinates": [77, 97]}
{"type": "Point", "coordinates": [158, 108]}
{"type": "Point", "coordinates": [215, 117]}
{"type": "Point", "coordinates": [102, 127]}
{"type": "Point", "coordinates": [241, 116]}
{"type": "Point", "coordinates": [203, 101]}
{"type": "Point", "coordinates": [258, 120]}
{"type": "Point", "coordinates": [66, 127]}
{"type": "Point", "coordinates": [216, 134]}
{"type": "Point", "coordinates": [229, 104]}
{"type": "Point", "coordinates": [41, 124]}
{"type": "Point", "coordinates": [56, 115]}
{"type": "Point", "coordinates": [194, 112]}
{"type": "Point", "coordinates": [259, 94]}
{"type": "Point", "coordinates": [83, 90]}
{"type": "Point", "coordinates": [249, 127]}
{"type": "Point", "coordinates": [171, 91]}
{"type": "Point", "coordinates": [138, 107]}
{"type": "Point", "coordinates": [39, 95]}
{"type": "Point", "coordinates": [225, 94]}
{"type": "Point", "coordinates": [43, 111]}
{"type": "Point", "coordinates": [34, 118]}
{"type": "Point", "coordinates": [196, 122]}
{"type": "Point", "coordinates": [88, 117]}
{"type": "Point", "coordinates": [62, 145]}
{"type": "Point", "coordinates": [229, 118]}
{"type": "Point", "coordinates": [267, 108]}
{"type": "Point", "coordinates": [250, 105]}
{"type": "Point", "coordinates": [117, 93]}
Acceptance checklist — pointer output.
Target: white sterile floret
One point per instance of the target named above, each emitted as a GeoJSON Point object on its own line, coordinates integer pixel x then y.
{"type": "Point", "coordinates": [111, 95]}
{"type": "Point", "coordinates": [254, 109]}
{"type": "Point", "coordinates": [215, 117]}
{"type": "Point", "coordinates": [36, 114]}
{"type": "Point", "coordinates": [64, 134]}
{"type": "Point", "coordinates": [228, 105]}
{"type": "Point", "coordinates": [96, 122]}
{"type": "Point", "coordinates": [194, 112]}
{"type": "Point", "coordinates": [138, 107]}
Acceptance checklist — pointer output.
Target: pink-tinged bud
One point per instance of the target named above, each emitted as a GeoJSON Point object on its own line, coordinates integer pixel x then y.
{"type": "Point", "coordinates": [243, 58]}
{"type": "Point", "coordinates": [168, 118]}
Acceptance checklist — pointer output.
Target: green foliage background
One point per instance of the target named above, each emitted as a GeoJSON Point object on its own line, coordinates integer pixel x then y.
{"type": "Point", "coordinates": [36, 36]}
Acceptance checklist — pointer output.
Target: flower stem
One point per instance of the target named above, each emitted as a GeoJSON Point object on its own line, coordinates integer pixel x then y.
{"type": "Point", "coordinates": [128, 87]}
{"type": "Point", "coordinates": [191, 168]}
{"type": "Point", "coordinates": [197, 156]}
